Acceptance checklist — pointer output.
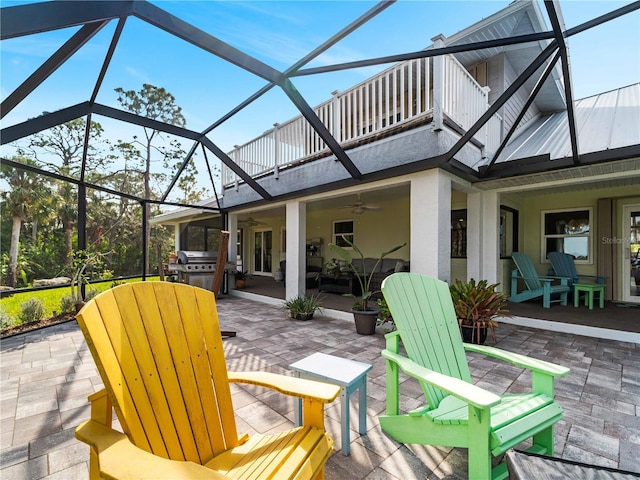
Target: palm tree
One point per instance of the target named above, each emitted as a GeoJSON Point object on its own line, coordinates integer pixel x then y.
{"type": "Point", "coordinates": [26, 190]}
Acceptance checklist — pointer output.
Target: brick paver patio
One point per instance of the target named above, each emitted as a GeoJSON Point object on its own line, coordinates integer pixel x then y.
{"type": "Point", "coordinates": [47, 375]}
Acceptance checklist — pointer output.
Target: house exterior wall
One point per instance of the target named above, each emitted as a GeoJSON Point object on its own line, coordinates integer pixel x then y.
{"type": "Point", "coordinates": [495, 76]}
{"type": "Point", "coordinates": [374, 232]}
{"type": "Point", "coordinates": [531, 223]}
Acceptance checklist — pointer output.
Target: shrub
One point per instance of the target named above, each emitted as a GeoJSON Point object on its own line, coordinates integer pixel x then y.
{"type": "Point", "coordinates": [32, 310]}
{"type": "Point", "coordinates": [90, 293]}
{"type": "Point", "coordinates": [68, 303]}
{"type": "Point", "coordinates": [303, 306]}
{"type": "Point", "coordinates": [6, 320]}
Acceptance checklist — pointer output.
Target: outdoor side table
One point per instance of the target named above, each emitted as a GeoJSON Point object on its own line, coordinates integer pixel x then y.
{"type": "Point", "coordinates": [349, 375]}
{"type": "Point", "coordinates": [589, 289]}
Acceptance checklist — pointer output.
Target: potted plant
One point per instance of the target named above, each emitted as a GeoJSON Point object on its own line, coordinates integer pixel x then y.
{"type": "Point", "coordinates": [241, 278]}
{"type": "Point", "coordinates": [333, 268]}
{"type": "Point", "coordinates": [364, 316]}
{"type": "Point", "coordinates": [303, 307]}
{"type": "Point", "coordinates": [384, 315]}
{"type": "Point", "coordinates": [477, 305]}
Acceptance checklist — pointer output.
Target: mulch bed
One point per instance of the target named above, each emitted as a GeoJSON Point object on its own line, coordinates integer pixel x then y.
{"type": "Point", "coordinates": [45, 322]}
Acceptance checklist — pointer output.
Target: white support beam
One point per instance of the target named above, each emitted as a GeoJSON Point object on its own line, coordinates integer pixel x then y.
{"type": "Point", "coordinates": [483, 236]}
{"type": "Point", "coordinates": [431, 224]}
{"type": "Point", "coordinates": [296, 222]}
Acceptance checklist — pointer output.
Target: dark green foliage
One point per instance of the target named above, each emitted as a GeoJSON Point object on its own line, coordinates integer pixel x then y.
{"type": "Point", "coordinates": [365, 282]}
{"type": "Point", "coordinates": [303, 306]}
{"type": "Point", "coordinates": [477, 304]}
{"type": "Point", "coordinates": [32, 311]}
{"type": "Point", "coordinates": [240, 275]}
{"type": "Point", "coordinates": [47, 208]}
{"type": "Point", "coordinates": [384, 315]}
{"type": "Point", "coordinates": [67, 304]}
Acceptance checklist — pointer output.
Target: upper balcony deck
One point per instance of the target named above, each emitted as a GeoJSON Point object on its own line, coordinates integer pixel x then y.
{"type": "Point", "coordinates": [409, 93]}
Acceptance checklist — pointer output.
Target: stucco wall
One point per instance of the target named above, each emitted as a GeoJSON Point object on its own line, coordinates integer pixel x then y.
{"type": "Point", "coordinates": [530, 220]}
{"type": "Point", "coordinates": [374, 231]}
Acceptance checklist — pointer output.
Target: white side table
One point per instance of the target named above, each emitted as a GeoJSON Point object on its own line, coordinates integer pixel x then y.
{"type": "Point", "coordinates": [349, 375]}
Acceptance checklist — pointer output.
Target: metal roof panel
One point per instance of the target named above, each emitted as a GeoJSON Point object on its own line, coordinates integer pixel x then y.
{"type": "Point", "coordinates": [605, 121]}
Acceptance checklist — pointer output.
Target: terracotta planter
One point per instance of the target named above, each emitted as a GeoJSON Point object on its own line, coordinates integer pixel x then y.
{"type": "Point", "coordinates": [240, 284]}
{"type": "Point", "coordinates": [472, 334]}
{"type": "Point", "coordinates": [365, 321]}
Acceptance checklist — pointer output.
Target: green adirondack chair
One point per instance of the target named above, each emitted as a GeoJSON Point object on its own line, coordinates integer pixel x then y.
{"type": "Point", "coordinates": [536, 285]}
{"type": "Point", "coordinates": [458, 413]}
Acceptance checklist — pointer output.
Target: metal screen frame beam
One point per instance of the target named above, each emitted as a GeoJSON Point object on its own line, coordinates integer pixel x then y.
{"type": "Point", "coordinates": [71, 46]}
{"type": "Point", "coordinates": [235, 168]}
{"type": "Point", "coordinates": [557, 22]}
{"type": "Point", "coordinates": [21, 20]}
{"type": "Point", "coordinates": [184, 133]}
{"type": "Point", "coordinates": [319, 127]}
{"type": "Point", "coordinates": [100, 188]}
{"type": "Point", "coordinates": [179, 28]}
{"type": "Point", "coordinates": [502, 99]}
{"type": "Point", "coordinates": [523, 111]}
{"type": "Point", "coordinates": [357, 23]}
{"type": "Point", "coordinates": [44, 121]}
{"type": "Point", "coordinates": [434, 52]}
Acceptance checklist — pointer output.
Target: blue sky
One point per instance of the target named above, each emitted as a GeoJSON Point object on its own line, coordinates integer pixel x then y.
{"type": "Point", "coordinates": [280, 33]}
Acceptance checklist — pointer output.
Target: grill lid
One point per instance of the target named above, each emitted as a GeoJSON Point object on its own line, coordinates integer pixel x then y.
{"type": "Point", "coordinates": [194, 256]}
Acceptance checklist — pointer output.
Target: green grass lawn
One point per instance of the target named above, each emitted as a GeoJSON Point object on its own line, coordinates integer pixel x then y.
{"type": "Point", "coordinates": [11, 307]}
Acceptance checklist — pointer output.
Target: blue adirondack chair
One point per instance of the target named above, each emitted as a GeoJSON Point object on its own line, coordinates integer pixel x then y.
{"type": "Point", "coordinates": [458, 413]}
{"type": "Point", "coordinates": [563, 265]}
{"type": "Point", "coordinates": [536, 285]}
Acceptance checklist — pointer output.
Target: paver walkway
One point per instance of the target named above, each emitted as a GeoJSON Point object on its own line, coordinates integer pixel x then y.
{"type": "Point", "coordinates": [46, 376]}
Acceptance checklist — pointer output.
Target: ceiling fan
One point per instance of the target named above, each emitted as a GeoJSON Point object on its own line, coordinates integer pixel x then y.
{"type": "Point", "coordinates": [359, 207]}
{"type": "Point", "coordinates": [250, 222]}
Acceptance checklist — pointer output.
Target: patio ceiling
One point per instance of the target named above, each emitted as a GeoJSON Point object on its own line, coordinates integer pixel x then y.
{"type": "Point", "coordinates": [89, 19]}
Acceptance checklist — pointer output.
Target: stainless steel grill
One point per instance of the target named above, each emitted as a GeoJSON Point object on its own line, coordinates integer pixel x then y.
{"type": "Point", "coordinates": [195, 268]}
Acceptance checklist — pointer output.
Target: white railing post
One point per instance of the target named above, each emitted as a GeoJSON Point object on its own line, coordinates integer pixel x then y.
{"type": "Point", "coordinates": [276, 152]}
{"type": "Point", "coordinates": [485, 142]}
{"type": "Point", "coordinates": [336, 116]}
{"type": "Point", "coordinates": [438, 84]}
{"type": "Point", "coordinates": [235, 159]}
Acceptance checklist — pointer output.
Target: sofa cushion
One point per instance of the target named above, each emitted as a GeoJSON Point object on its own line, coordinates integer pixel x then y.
{"type": "Point", "coordinates": [389, 264]}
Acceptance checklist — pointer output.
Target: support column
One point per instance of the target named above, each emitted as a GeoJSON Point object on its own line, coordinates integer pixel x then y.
{"type": "Point", "coordinates": [431, 224]}
{"type": "Point", "coordinates": [296, 213]}
{"type": "Point", "coordinates": [232, 252]}
{"type": "Point", "coordinates": [483, 236]}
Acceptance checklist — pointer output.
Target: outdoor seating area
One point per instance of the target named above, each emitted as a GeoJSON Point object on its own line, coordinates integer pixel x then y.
{"type": "Point", "coordinates": [550, 289]}
{"type": "Point", "coordinates": [48, 374]}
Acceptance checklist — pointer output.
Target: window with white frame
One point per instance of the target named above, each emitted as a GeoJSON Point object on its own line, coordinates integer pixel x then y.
{"type": "Point", "coordinates": [568, 231]}
{"type": "Point", "coordinates": [340, 228]}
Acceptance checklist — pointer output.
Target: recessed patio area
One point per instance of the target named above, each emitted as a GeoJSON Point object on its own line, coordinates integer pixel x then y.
{"type": "Point", "coordinates": [616, 321]}
{"type": "Point", "coordinates": [47, 375]}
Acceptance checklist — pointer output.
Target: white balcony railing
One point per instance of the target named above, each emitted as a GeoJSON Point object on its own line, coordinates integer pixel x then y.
{"type": "Point", "coordinates": [399, 94]}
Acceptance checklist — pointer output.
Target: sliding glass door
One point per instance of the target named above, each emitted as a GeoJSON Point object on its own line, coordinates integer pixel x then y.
{"type": "Point", "coordinates": [631, 253]}
{"type": "Point", "coordinates": [262, 251]}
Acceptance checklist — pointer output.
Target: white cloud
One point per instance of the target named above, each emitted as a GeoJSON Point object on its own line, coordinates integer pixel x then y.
{"type": "Point", "coordinates": [137, 74]}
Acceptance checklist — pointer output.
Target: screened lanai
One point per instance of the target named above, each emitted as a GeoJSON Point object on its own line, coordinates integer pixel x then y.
{"type": "Point", "coordinates": [225, 115]}
{"type": "Point", "coordinates": [245, 74]}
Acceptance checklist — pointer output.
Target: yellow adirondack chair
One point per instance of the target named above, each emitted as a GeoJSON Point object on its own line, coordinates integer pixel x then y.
{"type": "Point", "coordinates": [159, 351]}
{"type": "Point", "coordinates": [458, 413]}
